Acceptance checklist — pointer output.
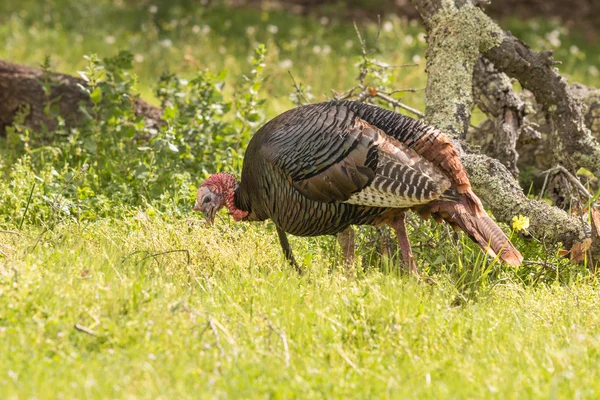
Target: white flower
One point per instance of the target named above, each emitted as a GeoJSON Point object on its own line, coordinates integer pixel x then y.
{"type": "Point", "coordinates": [138, 58]}
{"type": "Point", "coordinates": [110, 39]}
{"type": "Point", "coordinates": [574, 49]}
{"type": "Point", "coordinates": [593, 70]}
{"type": "Point", "coordinates": [416, 59]}
{"type": "Point", "coordinates": [205, 29]}
{"type": "Point", "coordinates": [285, 64]}
{"type": "Point", "coordinates": [324, 20]}
{"type": "Point", "coordinates": [166, 43]}
{"type": "Point", "coordinates": [388, 26]}
{"type": "Point", "coordinates": [553, 38]}
{"type": "Point", "coordinates": [273, 29]}
{"type": "Point", "coordinates": [349, 43]}
{"type": "Point", "coordinates": [196, 29]}
{"type": "Point", "coordinates": [153, 9]}
{"type": "Point", "coordinates": [316, 49]}
{"type": "Point", "coordinates": [421, 37]}
{"type": "Point", "coordinates": [251, 30]}
{"type": "Point", "coordinates": [326, 49]}
{"type": "Point", "coordinates": [409, 40]}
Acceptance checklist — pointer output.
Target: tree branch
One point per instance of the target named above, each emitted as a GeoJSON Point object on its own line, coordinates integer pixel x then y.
{"type": "Point", "coordinates": [572, 141]}
{"type": "Point", "coordinates": [494, 95]}
{"type": "Point", "coordinates": [458, 34]}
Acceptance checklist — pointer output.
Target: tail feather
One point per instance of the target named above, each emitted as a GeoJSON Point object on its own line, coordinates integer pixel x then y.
{"type": "Point", "coordinates": [484, 231]}
{"type": "Point", "coordinates": [468, 214]}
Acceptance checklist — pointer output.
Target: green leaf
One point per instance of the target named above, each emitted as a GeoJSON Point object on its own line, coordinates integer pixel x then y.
{"type": "Point", "coordinates": [170, 113]}
{"type": "Point", "coordinates": [96, 95]}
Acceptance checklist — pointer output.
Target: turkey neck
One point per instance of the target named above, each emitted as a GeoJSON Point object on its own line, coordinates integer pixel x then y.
{"type": "Point", "coordinates": [225, 185]}
{"type": "Point", "coordinates": [241, 200]}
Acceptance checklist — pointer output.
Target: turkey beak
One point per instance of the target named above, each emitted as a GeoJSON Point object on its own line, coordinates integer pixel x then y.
{"type": "Point", "coordinates": [209, 213]}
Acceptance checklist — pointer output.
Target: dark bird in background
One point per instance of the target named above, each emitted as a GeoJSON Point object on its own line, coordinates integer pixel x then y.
{"type": "Point", "coordinates": [320, 168]}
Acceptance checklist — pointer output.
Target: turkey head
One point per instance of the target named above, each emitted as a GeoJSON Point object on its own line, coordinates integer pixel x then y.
{"type": "Point", "coordinates": [209, 203]}
{"type": "Point", "coordinates": [216, 192]}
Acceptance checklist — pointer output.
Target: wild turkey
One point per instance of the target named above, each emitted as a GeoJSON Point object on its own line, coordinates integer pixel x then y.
{"type": "Point", "coordinates": [320, 168]}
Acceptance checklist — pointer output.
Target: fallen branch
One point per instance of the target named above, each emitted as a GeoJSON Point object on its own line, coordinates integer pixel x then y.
{"type": "Point", "coordinates": [21, 85]}
{"type": "Point", "coordinates": [572, 142]}
{"type": "Point", "coordinates": [458, 33]}
{"type": "Point", "coordinates": [494, 95]}
{"type": "Point", "coordinates": [572, 179]}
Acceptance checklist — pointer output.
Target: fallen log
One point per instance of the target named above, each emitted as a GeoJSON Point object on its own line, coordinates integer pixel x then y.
{"type": "Point", "coordinates": [21, 86]}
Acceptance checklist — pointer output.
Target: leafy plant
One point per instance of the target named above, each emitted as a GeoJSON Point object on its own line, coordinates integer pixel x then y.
{"type": "Point", "coordinates": [127, 162]}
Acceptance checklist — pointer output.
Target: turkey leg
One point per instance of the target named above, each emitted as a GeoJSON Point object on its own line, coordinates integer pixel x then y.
{"type": "Point", "coordinates": [398, 223]}
{"type": "Point", "coordinates": [287, 250]}
{"type": "Point", "coordinates": [346, 241]}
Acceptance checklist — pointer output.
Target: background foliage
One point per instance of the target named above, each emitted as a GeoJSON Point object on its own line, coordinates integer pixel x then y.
{"type": "Point", "coordinates": [96, 227]}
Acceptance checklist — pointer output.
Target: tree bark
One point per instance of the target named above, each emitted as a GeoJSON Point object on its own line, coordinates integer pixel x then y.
{"type": "Point", "coordinates": [21, 85]}
{"type": "Point", "coordinates": [458, 34]}
{"type": "Point", "coordinates": [494, 95]}
{"type": "Point", "coordinates": [571, 140]}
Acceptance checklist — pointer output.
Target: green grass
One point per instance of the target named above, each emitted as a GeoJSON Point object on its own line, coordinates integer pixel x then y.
{"type": "Point", "coordinates": [214, 327]}
{"type": "Point", "coordinates": [184, 38]}
{"type": "Point", "coordinates": [322, 56]}
{"type": "Point", "coordinates": [167, 308]}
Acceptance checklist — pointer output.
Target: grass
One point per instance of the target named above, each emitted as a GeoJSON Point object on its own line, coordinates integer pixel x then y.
{"type": "Point", "coordinates": [183, 38]}
{"type": "Point", "coordinates": [148, 305]}
{"type": "Point", "coordinates": [235, 321]}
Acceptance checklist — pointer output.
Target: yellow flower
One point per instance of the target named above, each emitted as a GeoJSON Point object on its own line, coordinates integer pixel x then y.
{"type": "Point", "coordinates": [520, 223]}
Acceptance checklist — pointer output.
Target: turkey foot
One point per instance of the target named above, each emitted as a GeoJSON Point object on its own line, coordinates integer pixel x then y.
{"type": "Point", "coordinates": [287, 250]}
{"type": "Point", "coordinates": [346, 241]}
{"type": "Point", "coordinates": [398, 223]}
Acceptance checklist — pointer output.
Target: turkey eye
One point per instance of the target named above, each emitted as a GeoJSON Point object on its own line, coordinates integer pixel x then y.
{"type": "Point", "coordinates": [206, 200]}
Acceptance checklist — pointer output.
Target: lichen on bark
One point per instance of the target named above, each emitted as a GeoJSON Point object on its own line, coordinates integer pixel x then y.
{"type": "Point", "coordinates": [572, 142]}
{"type": "Point", "coordinates": [457, 37]}
{"type": "Point", "coordinates": [459, 33]}
{"type": "Point", "coordinates": [494, 95]}
{"type": "Point", "coordinates": [505, 199]}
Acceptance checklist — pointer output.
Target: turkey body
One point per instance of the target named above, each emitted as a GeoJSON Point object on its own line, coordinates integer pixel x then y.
{"type": "Point", "coordinates": [320, 168]}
